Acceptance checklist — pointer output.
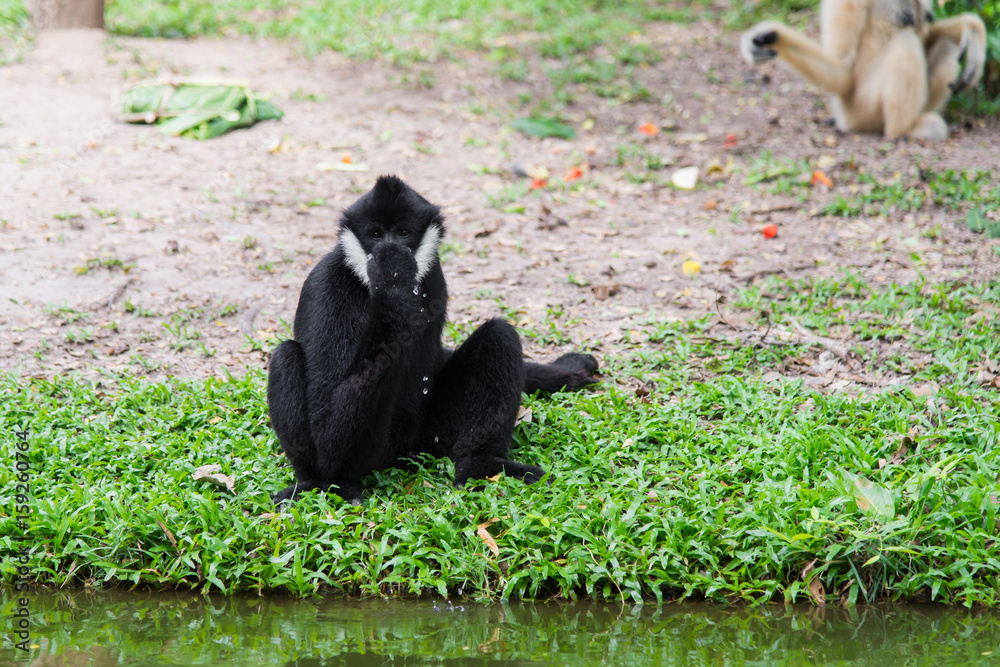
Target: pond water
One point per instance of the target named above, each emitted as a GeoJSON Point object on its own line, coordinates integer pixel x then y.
{"type": "Point", "coordinates": [142, 628]}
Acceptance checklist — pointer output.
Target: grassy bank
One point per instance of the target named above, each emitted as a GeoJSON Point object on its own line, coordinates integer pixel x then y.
{"type": "Point", "coordinates": [697, 469]}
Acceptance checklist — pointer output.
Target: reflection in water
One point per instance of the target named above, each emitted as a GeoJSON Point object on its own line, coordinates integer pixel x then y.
{"type": "Point", "coordinates": [141, 628]}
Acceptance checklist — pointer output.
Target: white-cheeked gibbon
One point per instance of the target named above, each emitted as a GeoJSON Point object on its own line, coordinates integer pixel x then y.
{"type": "Point", "coordinates": [888, 64]}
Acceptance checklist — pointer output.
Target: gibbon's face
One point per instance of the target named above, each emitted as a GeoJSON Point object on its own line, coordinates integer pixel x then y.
{"type": "Point", "coordinates": [926, 13]}
{"type": "Point", "coordinates": [391, 212]}
{"type": "Point", "coordinates": [916, 14]}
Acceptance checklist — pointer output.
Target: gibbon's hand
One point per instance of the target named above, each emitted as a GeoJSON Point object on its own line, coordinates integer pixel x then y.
{"type": "Point", "coordinates": [756, 43]}
{"type": "Point", "coordinates": [392, 265]}
{"type": "Point", "coordinates": [974, 51]}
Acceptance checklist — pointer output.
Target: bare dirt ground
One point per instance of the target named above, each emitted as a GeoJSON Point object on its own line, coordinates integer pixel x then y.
{"type": "Point", "coordinates": [126, 250]}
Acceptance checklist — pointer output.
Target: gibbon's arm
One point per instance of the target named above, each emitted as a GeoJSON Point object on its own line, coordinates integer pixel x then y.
{"type": "Point", "coordinates": [769, 39]}
{"type": "Point", "coordinates": [389, 333]}
{"type": "Point", "coordinates": [969, 32]}
{"type": "Point", "coordinates": [345, 406]}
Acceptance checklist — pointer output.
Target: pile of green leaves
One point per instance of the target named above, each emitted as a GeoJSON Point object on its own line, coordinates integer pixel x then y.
{"type": "Point", "coordinates": [709, 480]}
{"type": "Point", "coordinates": [197, 110]}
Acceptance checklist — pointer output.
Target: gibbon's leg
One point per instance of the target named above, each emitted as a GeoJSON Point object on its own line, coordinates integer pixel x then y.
{"type": "Point", "coordinates": [969, 33]}
{"type": "Point", "coordinates": [287, 405]}
{"type": "Point", "coordinates": [286, 400]}
{"type": "Point", "coordinates": [474, 403]}
{"type": "Point", "coordinates": [770, 39]}
{"type": "Point", "coordinates": [895, 89]}
{"type": "Point", "coordinates": [570, 371]}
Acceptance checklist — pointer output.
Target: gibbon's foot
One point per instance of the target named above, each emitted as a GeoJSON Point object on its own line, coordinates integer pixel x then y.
{"type": "Point", "coordinates": [349, 491]}
{"type": "Point", "coordinates": [929, 127]}
{"type": "Point", "coordinates": [568, 372]}
{"type": "Point", "coordinates": [755, 44]}
{"type": "Point", "coordinates": [473, 469]}
{"type": "Point", "coordinates": [581, 367]}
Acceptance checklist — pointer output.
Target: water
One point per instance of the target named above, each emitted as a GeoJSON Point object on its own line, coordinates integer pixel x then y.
{"type": "Point", "coordinates": [141, 628]}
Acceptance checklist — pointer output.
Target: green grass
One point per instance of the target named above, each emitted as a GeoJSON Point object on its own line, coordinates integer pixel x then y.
{"type": "Point", "coordinates": [15, 31]}
{"type": "Point", "coordinates": [950, 189]}
{"type": "Point", "coordinates": [707, 481]}
{"type": "Point", "coordinates": [562, 35]}
{"type": "Point", "coordinates": [402, 31]}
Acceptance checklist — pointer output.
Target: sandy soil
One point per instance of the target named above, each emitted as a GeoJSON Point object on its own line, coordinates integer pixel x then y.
{"type": "Point", "coordinates": [217, 236]}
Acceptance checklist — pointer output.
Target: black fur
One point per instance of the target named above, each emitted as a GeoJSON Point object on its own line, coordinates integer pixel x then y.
{"type": "Point", "coordinates": [366, 381]}
{"type": "Point", "coordinates": [766, 39]}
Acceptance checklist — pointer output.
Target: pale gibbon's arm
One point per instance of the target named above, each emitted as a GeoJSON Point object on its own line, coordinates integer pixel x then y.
{"type": "Point", "coordinates": [770, 39]}
{"type": "Point", "coordinates": [969, 33]}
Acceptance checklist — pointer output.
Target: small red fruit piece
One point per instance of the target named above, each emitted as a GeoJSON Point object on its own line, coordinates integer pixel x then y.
{"type": "Point", "coordinates": [730, 141]}
{"type": "Point", "coordinates": [573, 174]}
{"type": "Point", "coordinates": [770, 231]}
{"type": "Point", "coordinates": [822, 179]}
{"type": "Point", "coordinates": [538, 183]}
{"type": "Point", "coordinates": [649, 129]}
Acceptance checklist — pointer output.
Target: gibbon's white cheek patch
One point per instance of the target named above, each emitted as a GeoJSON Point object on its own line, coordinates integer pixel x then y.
{"type": "Point", "coordinates": [428, 250]}
{"type": "Point", "coordinates": [355, 255]}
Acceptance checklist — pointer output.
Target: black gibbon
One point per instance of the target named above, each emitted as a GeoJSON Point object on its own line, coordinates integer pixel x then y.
{"type": "Point", "coordinates": [366, 381]}
{"type": "Point", "coordinates": [888, 64]}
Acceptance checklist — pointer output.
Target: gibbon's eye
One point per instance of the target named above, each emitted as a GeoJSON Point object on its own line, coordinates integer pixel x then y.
{"type": "Point", "coordinates": [404, 233]}
{"type": "Point", "coordinates": [375, 234]}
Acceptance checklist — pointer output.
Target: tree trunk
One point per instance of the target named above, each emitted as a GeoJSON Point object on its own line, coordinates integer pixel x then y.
{"type": "Point", "coordinates": [55, 14]}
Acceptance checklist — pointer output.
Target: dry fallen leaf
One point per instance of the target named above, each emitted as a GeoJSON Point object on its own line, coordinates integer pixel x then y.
{"type": "Point", "coordinates": [211, 474]}
{"type": "Point", "coordinates": [816, 589]}
{"type": "Point", "coordinates": [166, 531]}
{"type": "Point", "coordinates": [691, 138]}
{"type": "Point", "coordinates": [691, 267]}
{"type": "Point", "coordinates": [523, 415]}
{"type": "Point", "coordinates": [602, 292]}
{"type": "Point", "coordinates": [486, 230]}
{"type": "Point", "coordinates": [340, 166]}
{"type": "Point", "coordinates": [485, 536]}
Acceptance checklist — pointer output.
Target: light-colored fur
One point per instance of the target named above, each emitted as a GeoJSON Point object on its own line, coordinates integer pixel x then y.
{"type": "Point", "coordinates": [427, 252]}
{"type": "Point", "coordinates": [886, 73]}
{"type": "Point", "coordinates": [355, 255]}
{"type": "Point", "coordinates": [357, 258]}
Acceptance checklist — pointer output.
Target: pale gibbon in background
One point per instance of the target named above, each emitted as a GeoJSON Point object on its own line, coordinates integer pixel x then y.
{"type": "Point", "coordinates": [888, 64]}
